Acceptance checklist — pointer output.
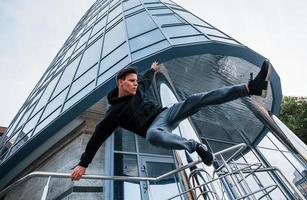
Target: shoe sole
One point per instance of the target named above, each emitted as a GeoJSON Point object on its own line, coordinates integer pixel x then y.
{"type": "Point", "coordinates": [265, 92]}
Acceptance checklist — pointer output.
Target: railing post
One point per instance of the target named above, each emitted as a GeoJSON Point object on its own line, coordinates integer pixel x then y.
{"type": "Point", "coordinates": [46, 188]}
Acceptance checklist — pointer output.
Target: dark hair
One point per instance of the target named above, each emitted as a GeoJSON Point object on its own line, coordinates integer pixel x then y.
{"type": "Point", "coordinates": [124, 72]}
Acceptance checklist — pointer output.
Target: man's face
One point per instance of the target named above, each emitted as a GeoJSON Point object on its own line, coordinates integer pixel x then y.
{"type": "Point", "coordinates": [128, 86]}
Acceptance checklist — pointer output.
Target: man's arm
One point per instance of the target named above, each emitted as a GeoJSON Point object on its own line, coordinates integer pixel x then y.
{"type": "Point", "coordinates": [102, 131]}
{"type": "Point", "coordinates": [149, 74]}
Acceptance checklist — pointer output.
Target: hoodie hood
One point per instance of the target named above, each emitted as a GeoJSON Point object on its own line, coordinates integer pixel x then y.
{"type": "Point", "coordinates": [113, 97]}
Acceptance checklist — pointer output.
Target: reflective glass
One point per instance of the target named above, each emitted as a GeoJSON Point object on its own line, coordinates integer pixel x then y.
{"type": "Point", "coordinates": [117, 32]}
{"type": "Point", "coordinates": [90, 57]}
{"type": "Point", "coordinates": [275, 158]}
{"type": "Point", "coordinates": [43, 100]}
{"type": "Point", "coordinates": [46, 121]}
{"type": "Point", "coordinates": [164, 10]}
{"type": "Point", "coordinates": [131, 3]}
{"type": "Point", "coordinates": [165, 188]}
{"type": "Point", "coordinates": [151, 49]}
{"type": "Point", "coordinates": [109, 73]}
{"type": "Point", "coordinates": [126, 165]}
{"type": "Point", "coordinates": [113, 13]}
{"type": "Point", "coordinates": [83, 39]}
{"type": "Point", "coordinates": [177, 31]}
{"type": "Point", "coordinates": [113, 58]}
{"type": "Point", "coordinates": [146, 147]}
{"type": "Point", "coordinates": [223, 40]}
{"type": "Point", "coordinates": [99, 25]}
{"type": "Point", "coordinates": [133, 10]}
{"type": "Point", "coordinates": [146, 39]}
{"type": "Point", "coordinates": [183, 40]}
{"type": "Point", "coordinates": [69, 51]}
{"type": "Point", "coordinates": [191, 18]}
{"type": "Point", "coordinates": [80, 94]}
{"type": "Point", "coordinates": [25, 117]}
{"type": "Point", "coordinates": [167, 19]}
{"type": "Point", "coordinates": [55, 103]}
{"type": "Point", "coordinates": [124, 141]}
{"type": "Point", "coordinates": [266, 142]}
{"type": "Point", "coordinates": [86, 78]}
{"type": "Point", "coordinates": [67, 76]}
{"type": "Point", "coordinates": [140, 22]}
{"type": "Point", "coordinates": [276, 141]}
{"type": "Point", "coordinates": [21, 139]}
{"type": "Point", "coordinates": [15, 123]}
{"type": "Point", "coordinates": [210, 31]}
{"type": "Point", "coordinates": [31, 123]}
{"type": "Point", "coordinates": [299, 144]}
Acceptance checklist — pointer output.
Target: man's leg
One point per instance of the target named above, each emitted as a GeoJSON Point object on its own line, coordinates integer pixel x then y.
{"type": "Point", "coordinates": [159, 133]}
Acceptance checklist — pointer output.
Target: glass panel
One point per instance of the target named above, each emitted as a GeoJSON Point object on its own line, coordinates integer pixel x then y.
{"type": "Point", "coordinates": [86, 78]}
{"type": "Point", "coordinates": [146, 147]}
{"type": "Point", "coordinates": [79, 95]}
{"type": "Point", "coordinates": [22, 138]}
{"type": "Point", "coordinates": [67, 76]}
{"type": "Point", "coordinates": [167, 19]}
{"type": "Point", "coordinates": [149, 50]}
{"type": "Point", "coordinates": [113, 13]}
{"type": "Point", "coordinates": [116, 32]}
{"type": "Point", "coordinates": [124, 141]}
{"type": "Point", "coordinates": [83, 39]}
{"type": "Point", "coordinates": [15, 123]}
{"type": "Point", "coordinates": [167, 187]}
{"type": "Point", "coordinates": [99, 25]}
{"type": "Point", "coordinates": [275, 158]}
{"type": "Point", "coordinates": [191, 18]}
{"type": "Point", "coordinates": [210, 31]}
{"type": "Point", "coordinates": [46, 121]}
{"type": "Point", "coordinates": [91, 56]}
{"type": "Point", "coordinates": [126, 165]}
{"type": "Point", "coordinates": [146, 39]}
{"type": "Point", "coordinates": [32, 122]}
{"type": "Point", "coordinates": [25, 117]}
{"type": "Point", "coordinates": [183, 40]}
{"type": "Point", "coordinates": [69, 52]}
{"type": "Point", "coordinates": [108, 74]}
{"type": "Point", "coordinates": [223, 40]}
{"type": "Point", "coordinates": [177, 31]}
{"type": "Point", "coordinates": [43, 100]}
{"type": "Point", "coordinates": [55, 103]}
{"type": "Point", "coordinates": [130, 4]}
{"type": "Point", "coordinates": [160, 11]}
{"type": "Point", "coordinates": [302, 147]}
{"type": "Point", "coordinates": [266, 142]}
{"type": "Point", "coordinates": [140, 22]}
{"type": "Point", "coordinates": [113, 58]}
{"type": "Point", "coordinates": [279, 145]}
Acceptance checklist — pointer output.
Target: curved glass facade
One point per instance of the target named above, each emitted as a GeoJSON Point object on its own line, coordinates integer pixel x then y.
{"type": "Point", "coordinates": [110, 36]}
{"type": "Point", "coordinates": [194, 57]}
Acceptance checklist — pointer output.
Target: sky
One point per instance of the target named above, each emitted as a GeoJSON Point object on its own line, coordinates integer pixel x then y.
{"type": "Point", "coordinates": [33, 31]}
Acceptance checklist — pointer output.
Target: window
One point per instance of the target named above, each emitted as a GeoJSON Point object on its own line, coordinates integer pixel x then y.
{"type": "Point", "coordinates": [90, 57]}
{"type": "Point", "coordinates": [139, 23]}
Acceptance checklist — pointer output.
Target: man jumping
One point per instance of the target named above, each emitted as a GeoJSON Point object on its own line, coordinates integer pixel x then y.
{"type": "Point", "coordinates": [131, 110]}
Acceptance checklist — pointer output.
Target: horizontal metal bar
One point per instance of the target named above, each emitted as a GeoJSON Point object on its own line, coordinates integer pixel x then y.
{"type": "Point", "coordinates": [101, 177]}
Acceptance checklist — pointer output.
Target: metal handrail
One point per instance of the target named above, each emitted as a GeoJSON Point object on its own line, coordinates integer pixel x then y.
{"type": "Point", "coordinates": [118, 178]}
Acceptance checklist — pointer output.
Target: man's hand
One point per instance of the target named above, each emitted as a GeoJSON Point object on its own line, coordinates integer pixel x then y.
{"type": "Point", "coordinates": [155, 66]}
{"type": "Point", "coordinates": [77, 173]}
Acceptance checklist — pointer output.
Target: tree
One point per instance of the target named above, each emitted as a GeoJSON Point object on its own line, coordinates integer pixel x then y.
{"type": "Point", "coordinates": [293, 113]}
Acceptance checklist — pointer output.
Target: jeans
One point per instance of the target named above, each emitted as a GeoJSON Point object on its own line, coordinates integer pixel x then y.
{"type": "Point", "coordinates": [160, 131]}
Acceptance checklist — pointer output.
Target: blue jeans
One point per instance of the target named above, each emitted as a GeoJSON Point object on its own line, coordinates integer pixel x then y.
{"type": "Point", "coordinates": [160, 131]}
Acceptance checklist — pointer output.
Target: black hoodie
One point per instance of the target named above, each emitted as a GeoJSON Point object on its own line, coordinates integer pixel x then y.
{"type": "Point", "coordinates": [134, 113]}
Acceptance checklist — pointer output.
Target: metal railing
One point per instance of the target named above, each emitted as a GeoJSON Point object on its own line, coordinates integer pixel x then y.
{"type": "Point", "coordinates": [221, 175]}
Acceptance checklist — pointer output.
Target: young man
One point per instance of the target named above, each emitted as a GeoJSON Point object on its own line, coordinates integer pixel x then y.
{"type": "Point", "coordinates": [130, 109]}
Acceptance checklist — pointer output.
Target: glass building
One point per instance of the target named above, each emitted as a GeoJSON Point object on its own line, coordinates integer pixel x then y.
{"type": "Point", "coordinates": [257, 155]}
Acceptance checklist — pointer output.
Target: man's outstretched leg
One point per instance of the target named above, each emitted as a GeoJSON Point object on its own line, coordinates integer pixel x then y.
{"type": "Point", "coordinates": [159, 133]}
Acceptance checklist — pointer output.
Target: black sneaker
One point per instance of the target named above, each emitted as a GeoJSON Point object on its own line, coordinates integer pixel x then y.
{"type": "Point", "coordinates": [205, 155]}
{"type": "Point", "coordinates": [259, 85]}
